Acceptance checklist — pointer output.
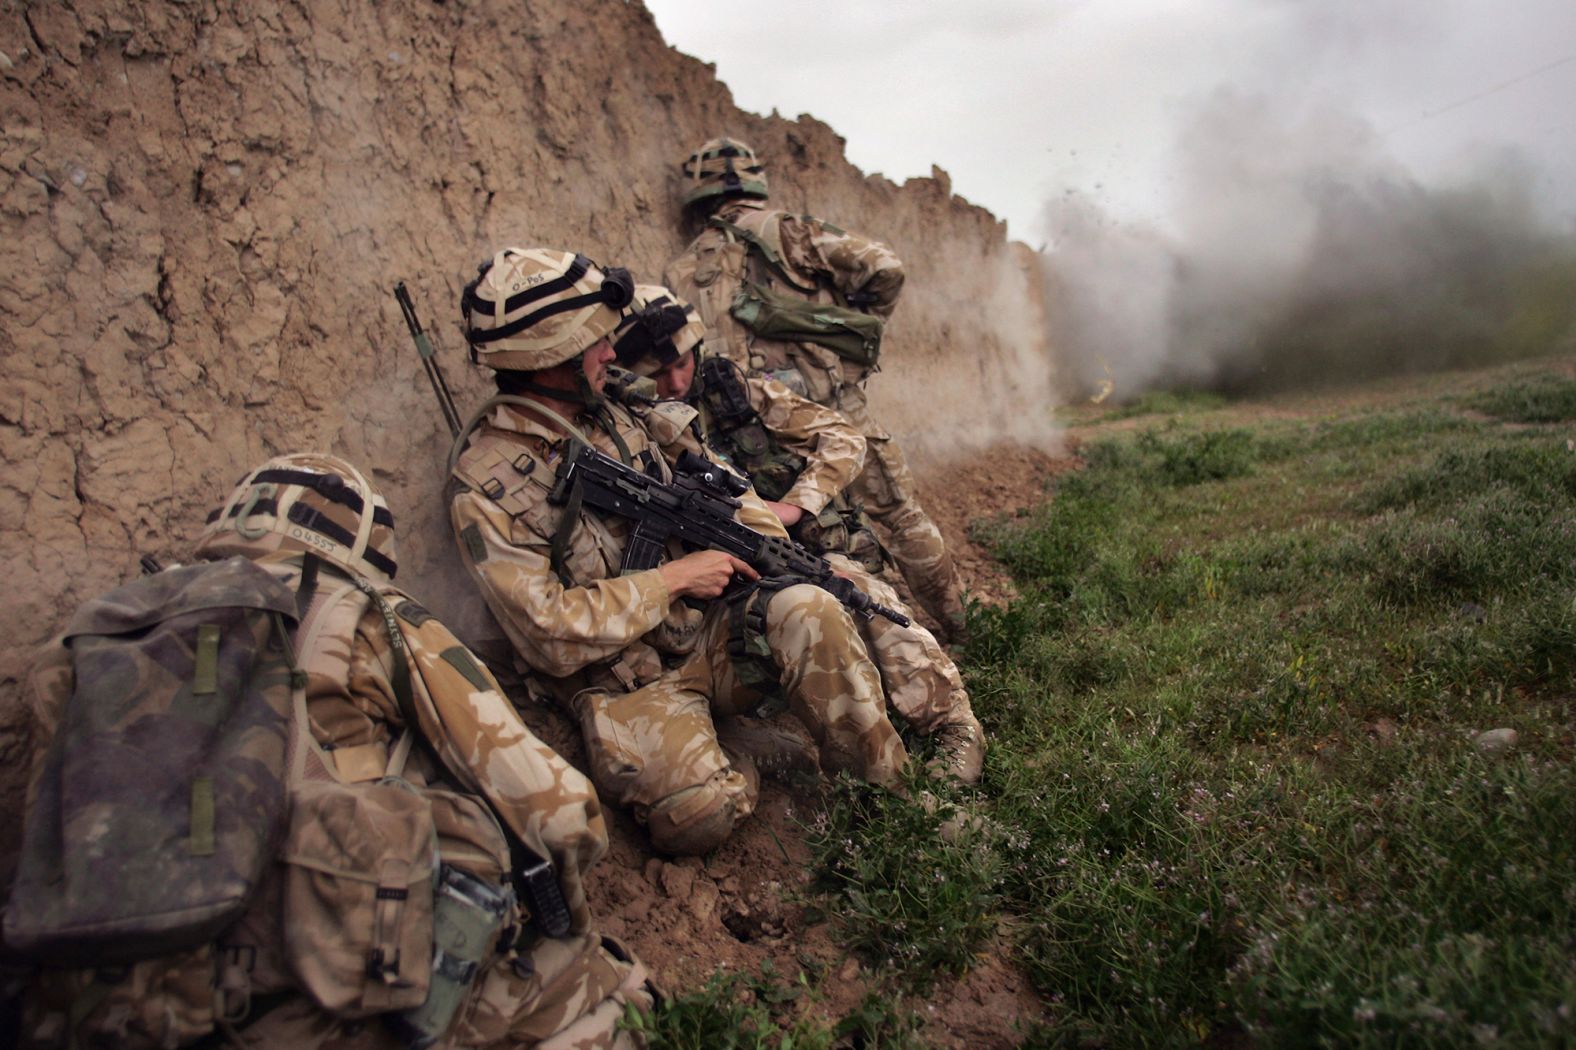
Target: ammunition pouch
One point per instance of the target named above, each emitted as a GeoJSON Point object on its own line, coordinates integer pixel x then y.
{"type": "Point", "coordinates": [841, 528]}
{"type": "Point", "coordinates": [853, 336]}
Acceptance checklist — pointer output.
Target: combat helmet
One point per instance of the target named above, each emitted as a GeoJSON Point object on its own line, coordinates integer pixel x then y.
{"type": "Point", "coordinates": [659, 329]}
{"type": "Point", "coordinates": [310, 502]}
{"type": "Point", "coordinates": [533, 308]}
{"type": "Point", "coordinates": [722, 168]}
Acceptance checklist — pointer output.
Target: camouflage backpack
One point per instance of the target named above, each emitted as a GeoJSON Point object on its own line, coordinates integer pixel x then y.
{"type": "Point", "coordinates": [160, 801]}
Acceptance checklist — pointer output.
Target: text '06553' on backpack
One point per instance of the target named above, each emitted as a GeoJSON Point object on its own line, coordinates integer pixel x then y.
{"type": "Point", "coordinates": [161, 799]}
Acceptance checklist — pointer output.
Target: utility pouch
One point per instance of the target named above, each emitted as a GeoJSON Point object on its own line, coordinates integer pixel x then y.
{"type": "Point", "coordinates": [851, 335]}
{"type": "Point", "coordinates": [468, 914]}
{"type": "Point", "coordinates": [360, 860]}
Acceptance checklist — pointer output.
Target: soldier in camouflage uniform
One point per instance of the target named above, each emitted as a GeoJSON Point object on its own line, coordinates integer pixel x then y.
{"type": "Point", "coordinates": [313, 522]}
{"type": "Point", "coordinates": [799, 456]}
{"type": "Point", "coordinates": [647, 674]}
{"type": "Point", "coordinates": [745, 246]}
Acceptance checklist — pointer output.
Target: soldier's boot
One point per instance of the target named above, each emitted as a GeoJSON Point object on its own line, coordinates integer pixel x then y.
{"type": "Point", "coordinates": [961, 748]}
{"type": "Point", "coordinates": [778, 747]}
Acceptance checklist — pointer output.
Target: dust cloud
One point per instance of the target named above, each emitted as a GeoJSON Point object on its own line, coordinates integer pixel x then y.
{"type": "Point", "coordinates": [1302, 252]}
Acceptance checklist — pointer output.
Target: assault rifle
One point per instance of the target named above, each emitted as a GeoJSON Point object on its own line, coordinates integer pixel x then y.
{"type": "Point", "coordinates": [697, 510]}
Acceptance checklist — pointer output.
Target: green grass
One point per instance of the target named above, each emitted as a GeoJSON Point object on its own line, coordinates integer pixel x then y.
{"type": "Point", "coordinates": [1232, 792]}
{"type": "Point", "coordinates": [1233, 795]}
{"type": "Point", "coordinates": [1167, 403]}
{"type": "Point", "coordinates": [738, 1011]}
{"type": "Point", "coordinates": [1540, 399]}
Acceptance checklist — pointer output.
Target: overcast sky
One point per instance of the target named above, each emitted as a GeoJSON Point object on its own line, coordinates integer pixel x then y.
{"type": "Point", "coordinates": [1021, 101]}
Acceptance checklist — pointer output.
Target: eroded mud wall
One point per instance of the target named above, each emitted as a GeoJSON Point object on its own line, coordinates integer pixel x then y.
{"type": "Point", "coordinates": [205, 206]}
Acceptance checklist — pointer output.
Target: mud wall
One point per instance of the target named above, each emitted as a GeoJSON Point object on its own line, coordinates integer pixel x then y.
{"type": "Point", "coordinates": [206, 204]}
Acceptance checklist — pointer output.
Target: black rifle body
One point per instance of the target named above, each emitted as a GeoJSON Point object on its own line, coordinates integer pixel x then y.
{"type": "Point", "coordinates": [696, 508]}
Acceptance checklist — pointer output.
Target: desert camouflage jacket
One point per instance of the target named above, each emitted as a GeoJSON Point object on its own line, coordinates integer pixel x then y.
{"type": "Point", "coordinates": [833, 451]}
{"type": "Point", "coordinates": [818, 254]}
{"type": "Point", "coordinates": [588, 626]}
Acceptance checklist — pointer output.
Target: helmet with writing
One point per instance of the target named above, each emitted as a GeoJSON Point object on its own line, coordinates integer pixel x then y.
{"type": "Point", "coordinates": [310, 502]}
{"type": "Point", "coordinates": [533, 308]}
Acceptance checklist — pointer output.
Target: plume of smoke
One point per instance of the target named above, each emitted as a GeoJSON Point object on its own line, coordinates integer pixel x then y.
{"type": "Point", "coordinates": [994, 382]}
{"type": "Point", "coordinates": [1304, 253]}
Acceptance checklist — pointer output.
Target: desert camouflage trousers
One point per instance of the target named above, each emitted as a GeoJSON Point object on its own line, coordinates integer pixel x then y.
{"type": "Point", "coordinates": [656, 748]}
{"type": "Point", "coordinates": [887, 491]}
{"type": "Point", "coordinates": [565, 994]}
{"type": "Point", "coordinates": [922, 682]}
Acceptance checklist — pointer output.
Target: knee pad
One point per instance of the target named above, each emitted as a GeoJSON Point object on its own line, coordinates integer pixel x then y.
{"type": "Point", "coordinates": [694, 820]}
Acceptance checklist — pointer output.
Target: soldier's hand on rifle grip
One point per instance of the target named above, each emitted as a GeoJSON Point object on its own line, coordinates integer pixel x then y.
{"type": "Point", "coordinates": [703, 574]}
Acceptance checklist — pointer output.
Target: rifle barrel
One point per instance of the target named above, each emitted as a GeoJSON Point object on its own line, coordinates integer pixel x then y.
{"type": "Point", "coordinates": [429, 360]}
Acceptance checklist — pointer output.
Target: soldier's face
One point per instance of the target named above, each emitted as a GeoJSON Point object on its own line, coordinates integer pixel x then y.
{"type": "Point", "coordinates": [674, 381]}
{"type": "Point", "coordinates": [595, 361]}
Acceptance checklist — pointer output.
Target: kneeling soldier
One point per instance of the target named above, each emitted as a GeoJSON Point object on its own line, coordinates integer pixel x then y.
{"type": "Point", "coordinates": [800, 456]}
{"type": "Point", "coordinates": [642, 660]}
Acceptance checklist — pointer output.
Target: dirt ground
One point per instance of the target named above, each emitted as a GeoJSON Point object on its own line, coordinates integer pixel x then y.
{"type": "Point", "coordinates": [746, 903]}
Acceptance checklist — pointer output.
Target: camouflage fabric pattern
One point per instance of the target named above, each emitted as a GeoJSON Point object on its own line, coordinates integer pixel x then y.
{"type": "Point", "coordinates": [642, 673]}
{"type": "Point", "coordinates": [833, 451]}
{"type": "Point", "coordinates": [353, 710]}
{"type": "Point", "coordinates": [921, 681]}
{"type": "Point", "coordinates": [710, 272]}
{"type": "Point", "coordinates": [715, 265]}
{"type": "Point", "coordinates": [655, 749]}
{"type": "Point", "coordinates": [157, 806]}
{"type": "Point", "coordinates": [886, 490]}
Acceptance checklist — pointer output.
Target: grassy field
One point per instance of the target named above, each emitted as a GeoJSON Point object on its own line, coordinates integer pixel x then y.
{"type": "Point", "coordinates": [1282, 734]}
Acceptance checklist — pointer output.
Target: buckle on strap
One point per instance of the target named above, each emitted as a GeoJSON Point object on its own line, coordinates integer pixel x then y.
{"type": "Point", "coordinates": [625, 674]}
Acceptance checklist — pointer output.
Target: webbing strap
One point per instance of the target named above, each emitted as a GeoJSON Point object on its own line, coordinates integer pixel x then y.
{"type": "Point", "coordinates": [559, 553]}
{"type": "Point", "coordinates": [205, 670]}
{"type": "Point", "coordinates": [401, 673]}
{"type": "Point", "coordinates": [604, 419]}
{"type": "Point", "coordinates": [200, 840]}
{"type": "Point", "coordinates": [748, 649]}
{"type": "Point", "coordinates": [767, 253]}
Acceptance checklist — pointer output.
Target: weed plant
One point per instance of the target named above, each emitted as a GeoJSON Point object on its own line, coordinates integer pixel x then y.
{"type": "Point", "coordinates": [740, 1011]}
{"type": "Point", "coordinates": [1235, 789]}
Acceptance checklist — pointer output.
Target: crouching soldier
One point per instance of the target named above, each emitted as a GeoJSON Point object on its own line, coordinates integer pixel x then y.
{"type": "Point", "coordinates": [800, 456]}
{"type": "Point", "coordinates": [281, 805]}
{"type": "Point", "coordinates": [803, 300]}
{"type": "Point", "coordinates": [642, 659]}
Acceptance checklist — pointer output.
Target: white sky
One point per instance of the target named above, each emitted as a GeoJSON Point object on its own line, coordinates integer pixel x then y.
{"type": "Point", "coordinates": [1021, 100]}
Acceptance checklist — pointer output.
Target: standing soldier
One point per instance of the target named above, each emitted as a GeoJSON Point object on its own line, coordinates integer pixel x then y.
{"type": "Point", "coordinates": [752, 271]}
{"type": "Point", "coordinates": [799, 456]}
{"type": "Point", "coordinates": [414, 794]}
{"type": "Point", "coordinates": [645, 661]}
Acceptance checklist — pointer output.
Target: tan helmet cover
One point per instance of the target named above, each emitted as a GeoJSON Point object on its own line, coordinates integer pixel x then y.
{"type": "Point", "coordinates": [722, 168]}
{"type": "Point", "coordinates": [308, 501]}
{"type": "Point", "coordinates": [533, 308]}
{"type": "Point", "coordinates": [659, 329]}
